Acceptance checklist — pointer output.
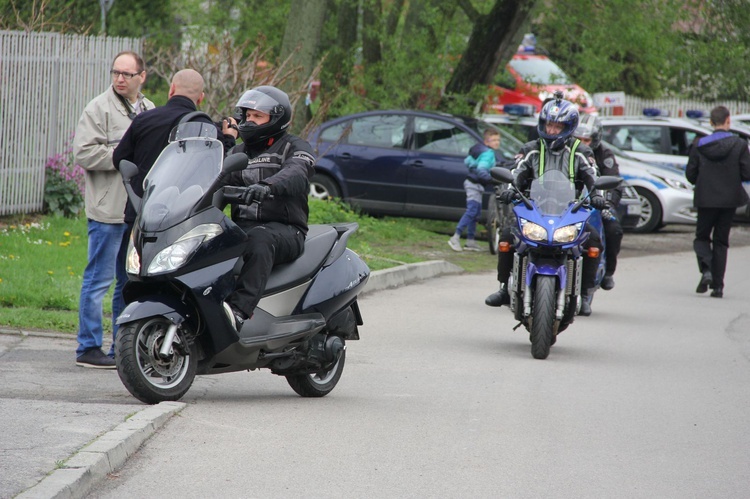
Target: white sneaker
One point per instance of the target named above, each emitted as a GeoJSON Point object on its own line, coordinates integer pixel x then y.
{"type": "Point", "coordinates": [455, 243]}
{"type": "Point", "coordinates": [472, 246]}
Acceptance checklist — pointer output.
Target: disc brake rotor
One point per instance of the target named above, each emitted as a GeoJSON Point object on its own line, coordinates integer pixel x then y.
{"type": "Point", "coordinates": [164, 367]}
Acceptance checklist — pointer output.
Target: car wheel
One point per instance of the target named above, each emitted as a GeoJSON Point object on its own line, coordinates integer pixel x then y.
{"type": "Point", "coordinates": [323, 187]}
{"type": "Point", "coordinates": [651, 212]}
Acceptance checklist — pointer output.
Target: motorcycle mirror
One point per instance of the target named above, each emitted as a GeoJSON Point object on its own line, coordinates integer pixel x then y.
{"type": "Point", "coordinates": [502, 174]}
{"type": "Point", "coordinates": [607, 182]}
{"type": "Point", "coordinates": [128, 170]}
{"type": "Point", "coordinates": [235, 162]}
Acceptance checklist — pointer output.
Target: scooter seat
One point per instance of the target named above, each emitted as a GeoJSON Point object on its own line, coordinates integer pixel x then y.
{"type": "Point", "coordinates": [318, 243]}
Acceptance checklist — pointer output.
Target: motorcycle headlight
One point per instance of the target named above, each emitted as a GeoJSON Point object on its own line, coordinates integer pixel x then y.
{"type": "Point", "coordinates": [132, 260]}
{"type": "Point", "coordinates": [566, 234]}
{"type": "Point", "coordinates": [533, 231]}
{"type": "Point", "coordinates": [175, 256]}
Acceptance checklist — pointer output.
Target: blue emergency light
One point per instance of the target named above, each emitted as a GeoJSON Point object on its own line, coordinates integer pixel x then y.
{"type": "Point", "coordinates": [694, 114]}
{"type": "Point", "coordinates": [519, 109]}
{"type": "Point", "coordinates": [653, 112]}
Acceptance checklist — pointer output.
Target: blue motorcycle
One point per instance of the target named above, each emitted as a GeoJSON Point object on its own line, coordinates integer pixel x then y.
{"type": "Point", "coordinates": [545, 283]}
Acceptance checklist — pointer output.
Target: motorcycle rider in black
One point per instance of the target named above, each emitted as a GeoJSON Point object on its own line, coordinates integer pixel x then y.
{"type": "Point", "coordinates": [554, 149]}
{"type": "Point", "coordinates": [589, 132]}
{"type": "Point", "coordinates": [275, 210]}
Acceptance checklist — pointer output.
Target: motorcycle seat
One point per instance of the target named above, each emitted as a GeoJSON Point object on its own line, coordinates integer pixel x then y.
{"type": "Point", "coordinates": [318, 243]}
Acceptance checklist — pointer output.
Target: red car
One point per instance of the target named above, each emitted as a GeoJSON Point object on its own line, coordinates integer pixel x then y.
{"type": "Point", "coordinates": [536, 77]}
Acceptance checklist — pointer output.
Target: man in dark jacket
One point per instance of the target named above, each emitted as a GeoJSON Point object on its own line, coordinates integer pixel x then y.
{"type": "Point", "coordinates": [148, 135]}
{"type": "Point", "coordinates": [717, 166]}
{"type": "Point", "coordinates": [277, 183]}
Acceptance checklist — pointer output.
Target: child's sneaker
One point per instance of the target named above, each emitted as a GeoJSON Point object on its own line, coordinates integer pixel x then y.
{"type": "Point", "coordinates": [472, 246]}
{"type": "Point", "coordinates": [455, 242]}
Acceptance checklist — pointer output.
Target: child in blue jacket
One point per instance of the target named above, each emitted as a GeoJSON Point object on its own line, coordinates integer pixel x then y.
{"type": "Point", "coordinates": [479, 161]}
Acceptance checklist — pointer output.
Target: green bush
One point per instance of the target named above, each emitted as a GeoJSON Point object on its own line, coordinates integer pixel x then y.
{"type": "Point", "coordinates": [63, 184]}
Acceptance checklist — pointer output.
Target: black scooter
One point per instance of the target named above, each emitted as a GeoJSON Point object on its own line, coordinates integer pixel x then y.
{"type": "Point", "coordinates": [183, 261]}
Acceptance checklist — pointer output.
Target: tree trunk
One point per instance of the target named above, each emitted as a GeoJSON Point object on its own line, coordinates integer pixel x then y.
{"type": "Point", "coordinates": [300, 46]}
{"type": "Point", "coordinates": [493, 41]}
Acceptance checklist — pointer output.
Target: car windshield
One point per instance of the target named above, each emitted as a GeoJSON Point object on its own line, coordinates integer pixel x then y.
{"type": "Point", "coordinates": [178, 180]}
{"type": "Point", "coordinates": [552, 192]}
{"type": "Point", "coordinates": [540, 71]}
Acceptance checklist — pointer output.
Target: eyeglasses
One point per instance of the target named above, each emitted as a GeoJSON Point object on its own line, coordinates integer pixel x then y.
{"type": "Point", "coordinates": [127, 76]}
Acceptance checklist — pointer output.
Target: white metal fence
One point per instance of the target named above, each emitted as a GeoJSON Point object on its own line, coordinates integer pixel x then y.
{"type": "Point", "coordinates": [634, 106]}
{"type": "Point", "coordinates": [46, 79]}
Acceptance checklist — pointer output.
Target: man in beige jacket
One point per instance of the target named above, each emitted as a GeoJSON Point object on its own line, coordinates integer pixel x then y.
{"type": "Point", "coordinates": [100, 128]}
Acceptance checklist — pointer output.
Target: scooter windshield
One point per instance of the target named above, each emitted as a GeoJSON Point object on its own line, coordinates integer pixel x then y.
{"type": "Point", "coordinates": [552, 192]}
{"type": "Point", "coordinates": [178, 181]}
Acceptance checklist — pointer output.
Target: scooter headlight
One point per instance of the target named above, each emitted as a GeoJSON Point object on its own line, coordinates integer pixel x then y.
{"type": "Point", "coordinates": [566, 234]}
{"type": "Point", "coordinates": [176, 255]}
{"type": "Point", "coordinates": [533, 231]}
{"type": "Point", "coordinates": [132, 260]}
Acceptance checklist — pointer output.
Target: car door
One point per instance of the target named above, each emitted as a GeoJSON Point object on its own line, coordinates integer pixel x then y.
{"type": "Point", "coordinates": [371, 157]}
{"type": "Point", "coordinates": [436, 168]}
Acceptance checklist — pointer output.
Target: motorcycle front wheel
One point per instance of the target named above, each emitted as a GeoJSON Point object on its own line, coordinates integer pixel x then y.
{"type": "Point", "coordinates": [147, 376]}
{"type": "Point", "coordinates": [318, 384]}
{"type": "Point", "coordinates": [542, 327]}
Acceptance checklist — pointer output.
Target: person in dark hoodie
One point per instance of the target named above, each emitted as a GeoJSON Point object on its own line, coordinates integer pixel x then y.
{"type": "Point", "coordinates": [479, 161]}
{"type": "Point", "coordinates": [717, 166]}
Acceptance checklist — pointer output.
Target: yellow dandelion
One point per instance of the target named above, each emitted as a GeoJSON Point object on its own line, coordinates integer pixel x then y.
{"type": "Point", "coordinates": [71, 274]}
{"type": "Point", "coordinates": [12, 227]}
{"type": "Point", "coordinates": [50, 272]}
{"type": "Point", "coordinates": [11, 256]}
{"type": "Point", "coordinates": [49, 243]}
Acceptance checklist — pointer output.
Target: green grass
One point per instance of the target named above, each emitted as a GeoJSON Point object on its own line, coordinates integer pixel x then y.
{"type": "Point", "coordinates": [42, 260]}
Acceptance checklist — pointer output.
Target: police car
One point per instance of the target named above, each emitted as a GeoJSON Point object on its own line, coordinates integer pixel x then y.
{"type": "Point", "coordinates": [653, 137]}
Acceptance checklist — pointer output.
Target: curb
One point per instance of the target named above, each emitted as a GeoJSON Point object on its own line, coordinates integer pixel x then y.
{"type": "Point", "coordinates": [408, 274]}
{"type": "Point", "coordinates": [90, 465]}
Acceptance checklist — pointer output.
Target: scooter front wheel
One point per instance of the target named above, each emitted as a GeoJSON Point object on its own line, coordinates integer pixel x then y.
{"type": "Point", "coordinates": [145, 373]}
{"type": "Point", "coordinates": [318, 384]}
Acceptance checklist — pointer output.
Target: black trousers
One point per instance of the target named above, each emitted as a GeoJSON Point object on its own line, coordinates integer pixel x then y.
{"type": "Point", "coordinates": [588, 273]}
{"type": "Point", "coordinates": [711, 242]}
{"type": "Point", "coordinates": [268, 244]}
{"type": "Point", "coordinates": [613, 236]}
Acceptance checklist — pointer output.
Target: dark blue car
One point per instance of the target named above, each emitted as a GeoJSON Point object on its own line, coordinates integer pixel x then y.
{"type": "Point", "coordinates": [400, 163]}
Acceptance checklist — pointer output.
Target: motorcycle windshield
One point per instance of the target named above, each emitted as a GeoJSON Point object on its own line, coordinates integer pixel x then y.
{"type": "Point", "coordinates": [552, 192]}
{"type": "Point", "coordinates": [178, 180]}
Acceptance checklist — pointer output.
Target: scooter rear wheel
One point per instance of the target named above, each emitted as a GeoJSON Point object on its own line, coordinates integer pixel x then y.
{"type": "Point", "coordinates": [147, 376]}
{"type": "Point", "coordinates": [318, 384]}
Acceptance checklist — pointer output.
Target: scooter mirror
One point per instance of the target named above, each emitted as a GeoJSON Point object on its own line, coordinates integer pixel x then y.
{"type": "Point", "coordinates": [235, 162]}
{"type": "Point", "coordinates": [128, 170]}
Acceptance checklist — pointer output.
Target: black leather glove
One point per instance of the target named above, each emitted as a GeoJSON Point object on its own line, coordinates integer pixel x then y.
{"type": "Point", "coordinates": [256, 192]}
{"type": "Point", "coordinates": [507, 196]}
{"type": "Point", "coordinates": [598, 201]}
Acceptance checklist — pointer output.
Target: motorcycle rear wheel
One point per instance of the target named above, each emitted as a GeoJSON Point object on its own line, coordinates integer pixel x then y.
{"type": "Point", "coordinates": [542, 327]}
{"type": "Point", "coordinates": [147, 376]}
{"type": "Point", "coordinates": [318, 384]}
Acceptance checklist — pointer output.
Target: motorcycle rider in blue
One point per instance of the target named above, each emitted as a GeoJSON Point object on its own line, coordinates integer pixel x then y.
{"type": "Point", "coordinates": [557, 149]}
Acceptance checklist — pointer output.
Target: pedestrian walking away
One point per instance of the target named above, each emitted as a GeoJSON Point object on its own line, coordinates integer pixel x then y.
{"type": "Point", "coordinates": [100, 128]}
{"type": "Point", "coordinates": [717, 166]}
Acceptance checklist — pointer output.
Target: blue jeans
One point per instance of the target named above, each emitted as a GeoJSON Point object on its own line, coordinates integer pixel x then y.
{"type": "Point", "coordinates": [469, 219]}
{"type": "Point", "coordinates": [105, 243]}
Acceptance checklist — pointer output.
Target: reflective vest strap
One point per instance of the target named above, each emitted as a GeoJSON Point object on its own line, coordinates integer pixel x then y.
{"type": "Point", "coordinates": [571, 168]}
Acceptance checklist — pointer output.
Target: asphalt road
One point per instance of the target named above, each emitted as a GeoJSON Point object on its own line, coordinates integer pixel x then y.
{"type": "Point", "coordinates": [441, 398]}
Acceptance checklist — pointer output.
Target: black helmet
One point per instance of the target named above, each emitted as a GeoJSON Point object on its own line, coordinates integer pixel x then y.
{"type": "Point", "coordinates": [590, 127]}
{"type": "Point", "coordinates": [269, 100]}
{"type": "Point", "coordinates": [558, 111]}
